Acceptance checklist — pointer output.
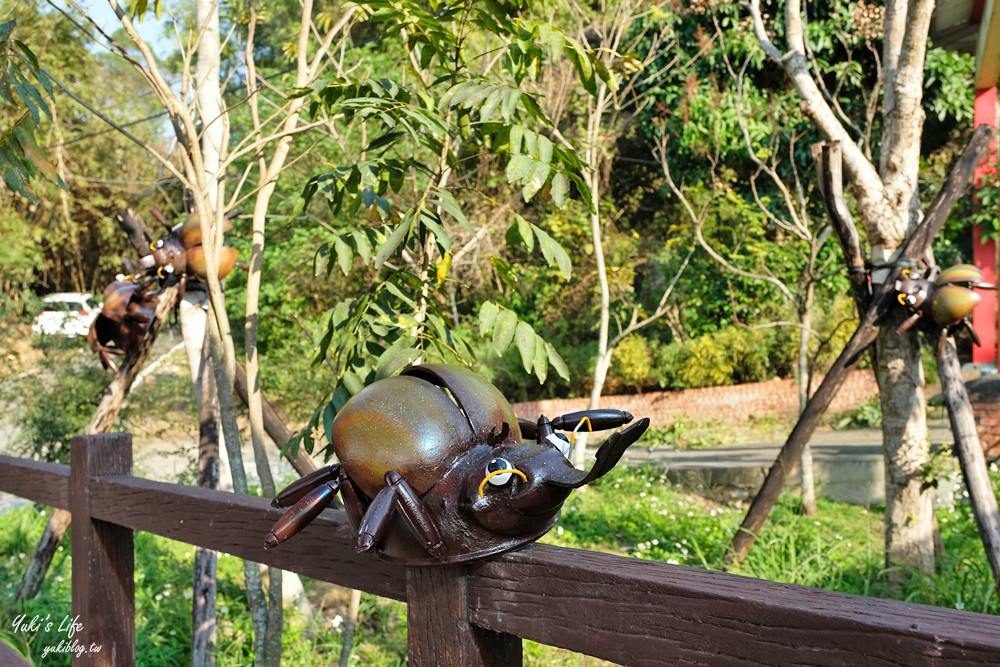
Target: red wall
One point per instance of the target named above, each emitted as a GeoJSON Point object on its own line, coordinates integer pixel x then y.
{"type": "Point", "coordinates": [983, 254]}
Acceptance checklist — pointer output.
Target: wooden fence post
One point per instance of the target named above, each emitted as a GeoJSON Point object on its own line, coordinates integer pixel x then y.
{"type": "Point", "coordinates": [440, 634]}
{"type": "Point", "coordinates": [103, 559]}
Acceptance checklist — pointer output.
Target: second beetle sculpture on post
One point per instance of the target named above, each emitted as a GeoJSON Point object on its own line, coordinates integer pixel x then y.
{"type": "Point", "coordinates": [433, 468]}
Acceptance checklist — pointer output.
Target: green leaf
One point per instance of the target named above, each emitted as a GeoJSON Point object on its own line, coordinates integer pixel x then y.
{"type": "Point", "coordinates": [524, 230]}
{"type": "Point", "coordinates": [525, 338]}
{"type": "Point", "coordinates": [503, 331]}
{"type": "Point", "coordinates": [321, 261]}
{"type": "Point", "coordinates": [433, 223]}
{"type": "Point", "coordinates": [554, 253]}
{"type": "Point", "coordinates": [395, 240]}
{"type": "Point", "coordinates": [362, 245]}
{"type": "Point", "coordinates": [518, 168]}
{"type": "Point", "coordinates": [489, 108]}
{"type": "Point", "coordinates": [504, 270]}
{"type": "Point", "coordinates": [534, 182]}
{"type": "Point", "coordinates": [344, 255]}
{"type": "Point", "coordinates": [560, 189]}
{"type": "Point", "coordinates": [510, 100]}
{"type": "Point", "coordinates": [449, 205]}
{"type": "Point", "coordinates": [329, 412]}
{"type": "Point", "coordinates": [540, 359]}
{"type": "Point", "coordinates": [487, 317]}
{"type": "Point", "coordinates": [557, 361]}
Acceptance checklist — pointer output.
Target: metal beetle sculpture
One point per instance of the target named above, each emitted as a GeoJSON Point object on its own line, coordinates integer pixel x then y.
{"type": "Point", "coordinates": [942, 306]}
{"type": "Point", "coordinates": [180, 254]}
{"type": "Point", "coordinates": [433, 469]}
{"type": "Point", "coordinates": [129, 308]}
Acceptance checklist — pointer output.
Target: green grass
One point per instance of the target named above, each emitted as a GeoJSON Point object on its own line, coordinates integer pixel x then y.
{"type": "Point", "coordinates": [633, 512]}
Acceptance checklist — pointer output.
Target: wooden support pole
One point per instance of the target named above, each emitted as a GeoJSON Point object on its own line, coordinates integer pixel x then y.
{"type": "Point", "coordinates": [866, 333]}
{"type": "Point", "coordinates": [970, 456]}
{"type": "Point", "coordinates": [829, 172]}
{"type": "Point", "coordinates": [439, 632]}
{"type": "Point", "coordinates": [103, 559]}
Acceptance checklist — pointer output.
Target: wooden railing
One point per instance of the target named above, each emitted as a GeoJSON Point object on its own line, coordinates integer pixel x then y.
{"type": "Point", "coordinates": [621, 609]}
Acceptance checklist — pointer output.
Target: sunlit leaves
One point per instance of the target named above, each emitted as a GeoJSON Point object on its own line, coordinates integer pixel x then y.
{"type": "Point", "coordinates": [418, 133]}
{"type": "Point", "coordinates": [507, 330]}
{"type": "Point", "coordinates": [555, 255]}
{"type": "Point", "coordinates": [24, 89]}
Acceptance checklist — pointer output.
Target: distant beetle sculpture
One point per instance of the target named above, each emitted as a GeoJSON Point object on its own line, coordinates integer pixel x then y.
{"type": "Point", "coordinates": [433, 469]}
{"type": "Point", "coordinates": [180, 253]}
{"type": "Point", "coordinates": [942, 306]}
{"type": "Point", "coordinates": [130, 302]}
{"type": "Point", "coordinates": [128, 310]}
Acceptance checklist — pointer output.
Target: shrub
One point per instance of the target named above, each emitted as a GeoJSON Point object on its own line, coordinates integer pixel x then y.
{"type": "Point", "coordinates": [631, 363]}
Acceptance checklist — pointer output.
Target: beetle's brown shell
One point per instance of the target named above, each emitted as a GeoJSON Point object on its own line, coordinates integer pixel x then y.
{"type": "Point", "coordinates": [196, 261]}
{"type": "Point", "coordinates": [952, 303]}
{"type": "Point", "coordinates": [961, 273]}
{"type": "Point", "coordinates": [191, 230]}
{"type": "Point", "coordinates": [410, 424]}
{"type": "Point", "coordinates": [400, 423]}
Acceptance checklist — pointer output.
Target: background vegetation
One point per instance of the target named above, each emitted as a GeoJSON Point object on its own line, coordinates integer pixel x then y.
{"type": "Point", "coordinates": [446, 215]}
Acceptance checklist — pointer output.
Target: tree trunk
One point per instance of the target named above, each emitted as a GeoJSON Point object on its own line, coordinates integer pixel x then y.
{"type": "Point", "coordinates": [592, 154]}
{"type": "Point", "coordinates": [806, 463]}
{"type": "Point", "coordinates": [909, 533]}
{"type": "Point", "coordinates": [350, 625]}
{"type": "Point", "coordinates": [203, 623]}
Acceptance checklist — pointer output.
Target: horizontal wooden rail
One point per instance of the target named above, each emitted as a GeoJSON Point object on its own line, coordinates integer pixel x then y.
{"type": "Point", "coordinates": [622, 609]}
{"type": "Point", "coordinates": [45, 483]}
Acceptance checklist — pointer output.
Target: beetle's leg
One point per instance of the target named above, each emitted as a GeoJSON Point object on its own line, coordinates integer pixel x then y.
{"type": "Point", "coordinates": [600, 420]}
{"type": "Point", "coordinates": [908, 323]}
{"type": "Point", "coordinates": [355, 502]}
{"type": "Point", "coordinates": [300, 487]}
{"type": "Point", "coordinates": [302, 512]}
{"type": "Point", "coordinates": [377, 518]}
{"type": "Point", "coordinates": [972, 332]}
{"type": "Point", "coordinates": [942, 339]}
{"type": "Point", "coordinates": [415, 514]}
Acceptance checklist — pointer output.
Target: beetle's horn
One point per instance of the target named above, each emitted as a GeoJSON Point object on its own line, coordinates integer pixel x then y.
{"type": "Point", "coordinates": [608, 455]}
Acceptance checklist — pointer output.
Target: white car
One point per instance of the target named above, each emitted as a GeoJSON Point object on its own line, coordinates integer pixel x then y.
{"type": "Point", "coordinates": [66, 314]}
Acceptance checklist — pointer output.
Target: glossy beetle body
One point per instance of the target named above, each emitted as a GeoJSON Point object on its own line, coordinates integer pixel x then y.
{"type": "Point", "coordinates": [128, 310]}
{"type": "Point", "coordinates": [180, 253]}
{"type": "Point", "coordinates": [434, 469]}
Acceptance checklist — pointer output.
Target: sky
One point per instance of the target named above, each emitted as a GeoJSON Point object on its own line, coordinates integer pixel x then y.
{"type": "Point", "coordinates": [149, 28]}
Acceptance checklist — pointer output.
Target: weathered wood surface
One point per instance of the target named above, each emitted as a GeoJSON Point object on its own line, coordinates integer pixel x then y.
{"type": "Point", "coordinates": [621, 609]}
{"type": "Point", "coordinates": [40, 482]}
{"type": "Point", "coordinates": [982, 497]}
{"type": "Point", "coordinates": [881, 301]}
{"type": "Point", "coordinates": [636, 612]}
{"type": "Point", "coordinates": [103, 558]}
{"type": "Point", "coordinates": [438, 629]}
{"type": "Point", "coordinates": [237, 524]}
{"type": "Point", "coordinates": [9, 658]}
